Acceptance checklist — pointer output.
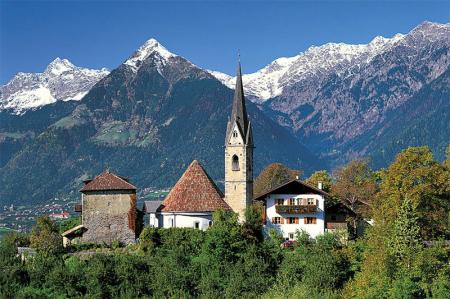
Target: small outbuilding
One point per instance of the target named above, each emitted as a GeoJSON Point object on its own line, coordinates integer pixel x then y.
{"type": "Point", "coordinates": [151, 211]}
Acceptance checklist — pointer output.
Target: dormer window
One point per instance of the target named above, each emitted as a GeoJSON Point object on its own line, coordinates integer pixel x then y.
{"type": "Point", "coordinates": [235, 163]}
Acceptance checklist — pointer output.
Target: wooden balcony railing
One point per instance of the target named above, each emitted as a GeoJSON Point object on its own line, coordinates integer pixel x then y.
{"type": "Point", "coordinates": [337, 225]}
{"type": "Point", "coordinates": [296, 209]}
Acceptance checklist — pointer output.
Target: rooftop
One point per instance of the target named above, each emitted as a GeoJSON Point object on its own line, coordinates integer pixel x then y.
{"type": "Point", "coordinates": [195, 191]}
{"type": "Point", "coordinates": [107, 181]}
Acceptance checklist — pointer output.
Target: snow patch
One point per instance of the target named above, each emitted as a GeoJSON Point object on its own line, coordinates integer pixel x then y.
{"type": "Point", "coordinates": [27, 99]}
{"type": "Point", "coordinates": [151, 46]}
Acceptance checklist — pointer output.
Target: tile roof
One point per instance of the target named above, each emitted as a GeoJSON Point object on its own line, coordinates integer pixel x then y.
{"type": "Point", "coordinates": [152, 206]}
{"type": "Point", "coordinates": [195, 191]}
{"type": "Point", "coordinates": [107, 181]}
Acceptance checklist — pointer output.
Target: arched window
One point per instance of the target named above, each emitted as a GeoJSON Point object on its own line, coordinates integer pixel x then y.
{"type": "Point", "coordinates": [235, 134]}
{"type": "Point", "coordinates": [235, 163]}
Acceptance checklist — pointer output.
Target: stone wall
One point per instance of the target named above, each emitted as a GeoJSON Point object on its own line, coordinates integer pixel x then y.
{"type": "Point", "coordinates": [238, 183]}
{"type": "Point", "coordinates": [109, 216]}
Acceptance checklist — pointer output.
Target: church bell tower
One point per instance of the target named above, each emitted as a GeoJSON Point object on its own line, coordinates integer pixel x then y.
{"type": "Point", "coordinates": [239, 154]}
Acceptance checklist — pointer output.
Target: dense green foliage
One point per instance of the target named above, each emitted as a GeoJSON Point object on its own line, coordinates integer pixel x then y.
{"type": "Point", "coordinates": [235, 260]}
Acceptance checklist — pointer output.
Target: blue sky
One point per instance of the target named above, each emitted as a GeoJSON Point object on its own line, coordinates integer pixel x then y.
{"type": "Point", "coordinates": [208, 33]}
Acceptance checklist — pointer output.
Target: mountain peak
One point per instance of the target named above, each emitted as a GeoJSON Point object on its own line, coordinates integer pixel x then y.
{"type": "Point", "coordinates": [149, 47]}
{"type": "Point", "coordinates": [59, 66]}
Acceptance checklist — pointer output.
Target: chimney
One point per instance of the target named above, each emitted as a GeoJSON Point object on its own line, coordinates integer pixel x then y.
{"type": "Point", "coordinates": [319, 185]}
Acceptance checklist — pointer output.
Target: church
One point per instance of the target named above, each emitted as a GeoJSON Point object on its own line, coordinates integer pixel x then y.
{"type": "Point", "coordinates": [108, 203]}
{"type": "Point", "coordinates": [194, 198]}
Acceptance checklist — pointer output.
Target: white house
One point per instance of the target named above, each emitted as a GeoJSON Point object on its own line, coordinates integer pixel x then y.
{"type": "Point", "coordinates": [151, 209]}
{"type": "Point", "coordinates": [191, 202]}
{"type": "Point", "coordinates": [294, 206]}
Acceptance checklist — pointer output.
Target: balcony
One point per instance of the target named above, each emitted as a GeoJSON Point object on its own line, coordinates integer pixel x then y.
{"type": "Point", "coordinates": [336, 225]}
{"type": "Point", "coordinates": [296, 209]}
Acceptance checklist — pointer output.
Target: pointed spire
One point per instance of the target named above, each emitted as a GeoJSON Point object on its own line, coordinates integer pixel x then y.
{"type": "Point", "coordinates": [239, 112]}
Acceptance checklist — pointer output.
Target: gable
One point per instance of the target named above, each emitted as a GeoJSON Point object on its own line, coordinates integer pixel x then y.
{"type": "Point", "coordinates": [236, 136]}
{"type": "Point", "coordinates": [293, 187]}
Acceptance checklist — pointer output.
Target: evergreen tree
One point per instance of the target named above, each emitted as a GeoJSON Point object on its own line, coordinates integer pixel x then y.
{"type": "Point", "coordinates": [405, 239]}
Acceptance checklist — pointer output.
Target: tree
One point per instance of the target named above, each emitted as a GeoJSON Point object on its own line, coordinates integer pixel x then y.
{"type": "Point", "coordinates": [272, 176]}
{"type": "Point", "coordinates": [355, 187]}
{"type": "Point", "coordinates": [405, 239]}
{"type": "Point", "coordinates": [320, 176]}
{"type": "Point", "coordinates": [416, 175]}
{"type": "Point", "coordinates": [45, 237]}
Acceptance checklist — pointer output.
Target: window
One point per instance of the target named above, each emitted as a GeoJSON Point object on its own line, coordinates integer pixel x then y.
{"type": "Point", "coordinates": [209, 223]}
{"type": "Point", "coordinates": [311, 201]}
{"type": "Point", "coordinates": [235, 134]}
{"type": "Point", "coordinates": [235, 163]}
{"type": "Point", "coordinates": [291, 236]}
{"type": "Point", "coordinates": [277, 220]}
{"type": "Point", "coordinates": [279, 201]}
{"type": "Point", "coordinates": [310, 220]}
{"type": "Point", "coordinates": [291, 220]}
{"type": "Point", "coordinates": [292, 201]}
{"type": "Point", "coordinates": [196, 225]}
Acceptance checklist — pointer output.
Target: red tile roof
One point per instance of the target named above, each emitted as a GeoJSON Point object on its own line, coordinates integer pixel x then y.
{"type": "Point", "coordinates": [195, 191]}
{"type": "Point", "coordinates": [107, 181]}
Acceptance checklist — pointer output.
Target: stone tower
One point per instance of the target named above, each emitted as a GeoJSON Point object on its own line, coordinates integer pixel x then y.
{"type": "Point", "coordinates": [239, 154]}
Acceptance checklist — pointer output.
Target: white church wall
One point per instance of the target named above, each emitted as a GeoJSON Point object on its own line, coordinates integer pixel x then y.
{"type": "Point", "coordinates": [190, 220]}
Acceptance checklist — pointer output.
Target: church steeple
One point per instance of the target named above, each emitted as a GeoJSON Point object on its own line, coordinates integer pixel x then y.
{"type": "Point", "coordinates": [239, 154]}
{"type": "Point", "coordinates": [239, 112]}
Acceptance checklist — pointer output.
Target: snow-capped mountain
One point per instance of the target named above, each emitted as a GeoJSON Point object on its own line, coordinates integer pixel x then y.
{"type": "Point", "coordinates": [152, 46]}
{"type": "Point", "coordinates": [61, 81]}
{"type": "Point", "coordinates": [335, 97]}
{"type": "Point", "coordinates": [315, 62]}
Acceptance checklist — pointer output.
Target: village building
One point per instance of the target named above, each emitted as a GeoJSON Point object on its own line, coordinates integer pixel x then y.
{"type": "Point", "coordinates": [108, 210]}
{"type": "Point", "coordinates": [151, 209]}
{"type": "Point", "coordinates": [192, 201]}
{"type": "Point", "coordinates": [292, 207]}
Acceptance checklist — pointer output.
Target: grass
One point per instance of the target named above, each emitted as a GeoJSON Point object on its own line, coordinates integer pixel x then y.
{"type": "Point", "coordinates": [66, 122]}
{"type": "Point", "coordinates": [4, 231]}
{"type": "Point", "coordinates": [115, 132]}
{"type": "Point", "coordinates": [13, 135]}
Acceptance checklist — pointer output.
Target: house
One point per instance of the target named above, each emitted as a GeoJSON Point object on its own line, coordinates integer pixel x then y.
{"type": "Point", "coordinates": [294, 206]}
{"type": "Point", "coordinates": [336, 217]}
{"type": "Point", "coordinates": [192, 201]}
{"type": "Point", "coordinates": [151, 209]}
{"type": "Point", "coordinates": [63, 215]}
{"type": "Point", "coordinates": [108, 209]}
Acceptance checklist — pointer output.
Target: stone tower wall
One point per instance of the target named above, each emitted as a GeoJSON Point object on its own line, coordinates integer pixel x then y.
{"type": "Point", "coordinates": [238, 183]}
{"type": "Point", "coordinates": [109, 216]}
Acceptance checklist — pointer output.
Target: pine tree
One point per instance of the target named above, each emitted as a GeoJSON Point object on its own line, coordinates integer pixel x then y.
{"type": "Point", "coordinates": [406, 233]}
